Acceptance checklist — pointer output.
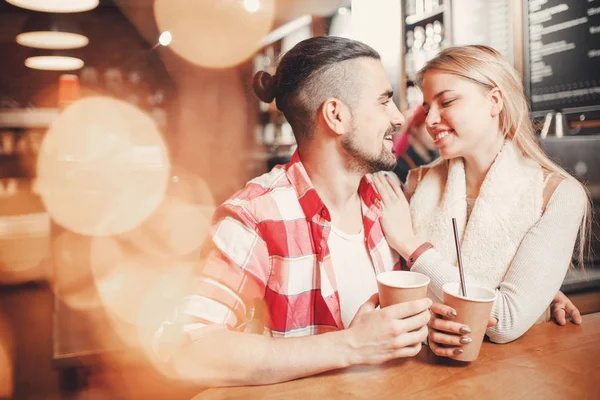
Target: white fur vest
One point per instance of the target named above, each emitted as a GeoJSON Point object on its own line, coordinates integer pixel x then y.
{"type": "Point", "coordinates": [510, 202]}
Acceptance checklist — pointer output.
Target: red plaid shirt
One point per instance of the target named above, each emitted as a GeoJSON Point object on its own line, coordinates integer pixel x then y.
{"type": "Point", "coordinates": [269, 244]}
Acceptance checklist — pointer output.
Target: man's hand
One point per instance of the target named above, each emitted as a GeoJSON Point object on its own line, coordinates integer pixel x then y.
{"type": "Point", "coordinates": [451, 335]}
{"type": "Point", "coordinates": [562, 308]}
{"type": "Point", "coordinates": [379, 335]}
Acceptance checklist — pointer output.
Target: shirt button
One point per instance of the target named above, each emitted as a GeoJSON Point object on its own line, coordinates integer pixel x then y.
{"type": "Point", "coordinates": [318, 249]}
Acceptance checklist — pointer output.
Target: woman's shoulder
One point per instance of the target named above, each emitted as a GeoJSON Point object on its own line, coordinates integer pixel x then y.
{"type": "Point", "coordinates": [564, 192]}
{"type": "Point", "coordinates": [416, 174]}
{"type": "Point", "coordinates": [422, 170]}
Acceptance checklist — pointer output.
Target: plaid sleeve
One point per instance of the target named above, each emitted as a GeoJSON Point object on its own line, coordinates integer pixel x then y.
{"type": "Point", "coordinates": [234, 276]}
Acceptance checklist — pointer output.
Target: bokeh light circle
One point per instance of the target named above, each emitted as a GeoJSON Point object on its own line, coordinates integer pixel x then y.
{"type": "Point", "coordinates": [124, 285]}
{"type": "Point", "coordinates": [103, 167]}
{"type": "Point", "coordinates": [214, 34]}
{"type": "Point", "coordinates": [73, 258]}
{"type": "Point", "coordinates": [160, 305]}
{"type": "Point", "coordinates": [141, 292]}
{"type": "Point", "coordinates": [181, 223]}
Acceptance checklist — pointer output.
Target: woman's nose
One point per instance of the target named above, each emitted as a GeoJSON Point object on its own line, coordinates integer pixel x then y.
{"type": "Point", "coordinates": [433, 118]}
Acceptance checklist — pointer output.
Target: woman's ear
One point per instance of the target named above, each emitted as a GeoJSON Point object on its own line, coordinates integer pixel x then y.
{"type": "Point", "coordinates": [336, 115]}
{"type": "Point", "coordinates": [497, 100]}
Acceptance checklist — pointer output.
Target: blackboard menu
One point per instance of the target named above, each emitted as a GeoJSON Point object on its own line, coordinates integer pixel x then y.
{"type": "Point", "coordinates": [564, 54]}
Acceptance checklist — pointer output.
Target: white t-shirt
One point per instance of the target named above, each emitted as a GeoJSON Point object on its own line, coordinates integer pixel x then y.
{"type": "Point", "coordinates": [353, 269]}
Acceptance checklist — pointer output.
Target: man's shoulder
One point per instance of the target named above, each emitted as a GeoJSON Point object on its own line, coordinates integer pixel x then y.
{"type": "Point", "coordinates": [262, 198]}
{"type": "Point", "coordinates": [261, 186]}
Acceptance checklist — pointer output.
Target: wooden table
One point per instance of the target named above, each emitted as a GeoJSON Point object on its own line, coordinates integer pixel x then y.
{"type": "Point", "coordinates": [548, 362]}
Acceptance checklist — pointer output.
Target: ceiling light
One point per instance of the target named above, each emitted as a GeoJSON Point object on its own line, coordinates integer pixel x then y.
{"type": "Point", "coordinates": [56, 6]}
{"type": "Point", "coordinates": [52, 40]}
{"type": "Point", "coordinates": [252, 6]}
{"type": "Point", "coordinates": [165, 38]}
{"type": "Point", "coordinates": [54, 63]}
{"type": "Point", "coordinates": [52, 31]}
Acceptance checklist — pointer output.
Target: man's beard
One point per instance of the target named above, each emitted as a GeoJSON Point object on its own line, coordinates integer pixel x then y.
{"type": "Point", "coordinates": [359, 160]}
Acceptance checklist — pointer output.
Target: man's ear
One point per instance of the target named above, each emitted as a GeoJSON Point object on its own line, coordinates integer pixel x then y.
{"type": "Point", "coordinates": [497, 100]}
{"type": "Point", "coordinates": [336, 115]}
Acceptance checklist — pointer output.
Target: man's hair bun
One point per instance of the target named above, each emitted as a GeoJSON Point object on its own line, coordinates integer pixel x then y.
{"type": "Point", "coordinates": [264, 86]}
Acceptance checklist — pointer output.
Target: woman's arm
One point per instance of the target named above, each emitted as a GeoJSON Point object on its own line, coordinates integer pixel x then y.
{"type": "Point", "coordinates": [536, 272]}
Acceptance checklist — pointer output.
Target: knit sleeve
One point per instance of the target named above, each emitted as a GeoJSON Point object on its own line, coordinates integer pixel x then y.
{"type": "Point", "coordinates": [536, 272]}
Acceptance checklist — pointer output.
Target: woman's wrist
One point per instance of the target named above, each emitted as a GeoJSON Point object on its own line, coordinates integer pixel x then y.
{"type": "Point", "coordinates": [408, 246]}
{"type": "Point", "coordinates": [412, 259]}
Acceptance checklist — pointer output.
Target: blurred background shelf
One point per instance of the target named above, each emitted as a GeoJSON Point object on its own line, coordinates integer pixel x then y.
{"type": "Point", "coordinates": [27, 118]}
{"type": "Point", "coordinates": [426, 17]}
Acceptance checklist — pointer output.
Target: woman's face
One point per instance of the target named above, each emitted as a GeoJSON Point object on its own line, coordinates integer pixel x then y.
{"type": "Point", "coordinates": [461, 115]}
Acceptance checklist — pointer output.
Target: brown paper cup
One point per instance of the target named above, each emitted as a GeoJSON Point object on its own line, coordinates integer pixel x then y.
{"type": "Point", "coordinates": [473, 311]}
{"type": "Point", "coordinates": [401, 286]}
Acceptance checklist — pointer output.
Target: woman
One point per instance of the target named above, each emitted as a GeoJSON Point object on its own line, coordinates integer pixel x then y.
{"type": "Point", "coordinates": [518, 213]}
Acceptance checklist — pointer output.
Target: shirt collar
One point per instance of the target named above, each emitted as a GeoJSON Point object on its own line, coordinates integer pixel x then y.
{"type": "Point", "coordinates": [311, 202]}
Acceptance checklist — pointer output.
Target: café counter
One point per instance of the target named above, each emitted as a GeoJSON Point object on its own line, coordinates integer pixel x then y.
{"type": "Point", "coordinates": [548, 362]}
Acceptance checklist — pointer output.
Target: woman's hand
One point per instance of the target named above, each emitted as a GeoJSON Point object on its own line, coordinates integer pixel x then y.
{"type": "Point", "coordinates": [562, 308]}
{"type": "Point", "coordinates": [395, 220]}
{"type": "Point", "coordinates": [446, 337]}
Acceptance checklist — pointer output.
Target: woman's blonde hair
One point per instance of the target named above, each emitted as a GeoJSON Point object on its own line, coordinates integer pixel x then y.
{"type": "Point", "coordinates": [487, 67]}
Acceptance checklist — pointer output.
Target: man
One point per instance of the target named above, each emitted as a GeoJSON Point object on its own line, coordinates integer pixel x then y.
{"type": "Point", "coordinates": [303, 242]}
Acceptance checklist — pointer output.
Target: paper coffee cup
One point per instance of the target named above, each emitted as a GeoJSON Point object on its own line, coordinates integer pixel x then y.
{"type": "Point", "coordinates": [472, 311]}
{"type": "Point", "coordinates": [401, 286]}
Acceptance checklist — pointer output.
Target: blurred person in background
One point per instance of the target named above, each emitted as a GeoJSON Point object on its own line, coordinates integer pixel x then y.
{"type": "Point", "coordinates": [413, 146]}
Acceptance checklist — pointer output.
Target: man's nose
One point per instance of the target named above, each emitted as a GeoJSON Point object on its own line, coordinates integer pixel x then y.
{"type": "Point", "coordinates": [398, 118]}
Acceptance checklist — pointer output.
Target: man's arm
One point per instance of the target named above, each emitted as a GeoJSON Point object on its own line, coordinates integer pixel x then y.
{"type": "Point", "coordinates": [205, 344]}
{"type": "Point", "coordinates": [229, 358]}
